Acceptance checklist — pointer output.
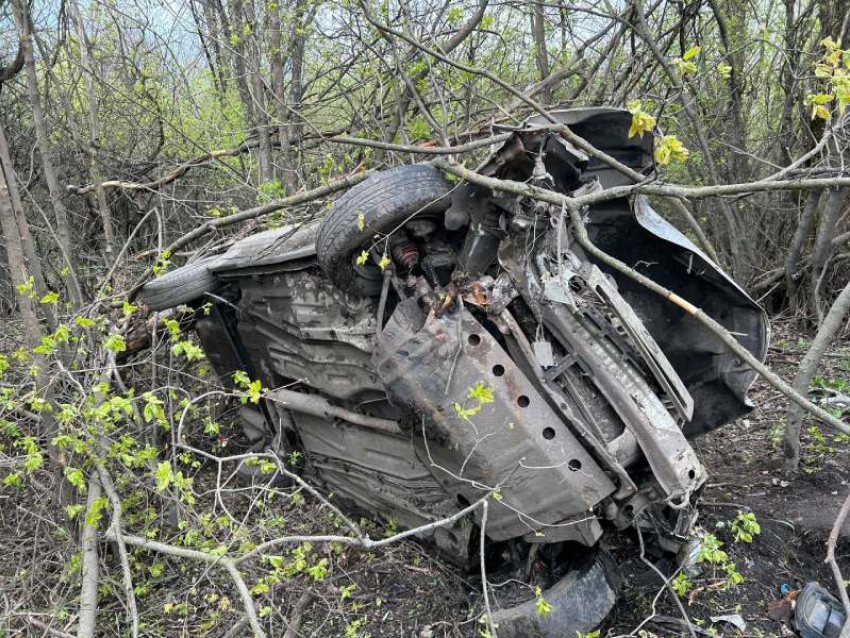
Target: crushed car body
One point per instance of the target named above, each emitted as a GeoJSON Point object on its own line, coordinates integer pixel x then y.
{"type": "Point", "coordinates": [429, 343]}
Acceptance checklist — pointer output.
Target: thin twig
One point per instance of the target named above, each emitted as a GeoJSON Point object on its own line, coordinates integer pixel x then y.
{"type": "Point", "coordinates": [673, 594]}
{"type": "Point", "coordinates": [485, 587]}
{"type": "Point", "coordinates": [830, 555]}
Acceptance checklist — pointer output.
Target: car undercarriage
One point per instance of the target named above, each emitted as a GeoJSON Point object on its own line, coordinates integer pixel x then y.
{"type": "Point", "coordinates": [430, 343]}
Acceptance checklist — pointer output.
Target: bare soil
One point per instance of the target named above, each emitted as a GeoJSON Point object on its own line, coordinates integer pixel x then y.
{"type": "Point", "coordinates": [796, 513]}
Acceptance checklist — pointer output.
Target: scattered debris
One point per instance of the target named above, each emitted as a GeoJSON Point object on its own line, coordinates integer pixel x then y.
{"type": "Point", "coordinates": [733, 619]}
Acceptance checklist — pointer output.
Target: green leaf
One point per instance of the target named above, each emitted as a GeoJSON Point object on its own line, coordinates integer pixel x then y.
{"type": "Point", "coordinates": [164, 476]}
{"type": "Point", "coordinates": [642, 122]}
{"type": "Point", "coordinates": [820, 98]}
{"type": "Point", "coordinates": [77, 478]}
{"type": "Point", "coordinates": [669, 148]}
{"type": "Point", "coordinates": [153, 408]}
{"type": "Point", "coordinates": [84, 322]}
{"type": "Point", "coordinates": [254, 391]}
{"type": "Point", "coordinates": [543, 607]}
{"type": "Point", "coordinates": [115, 343]}
{"type": "Point", "coordinates": [13, 480]}
{"type": "Point", "coordinates": [691, 53]}
{"type": "Point", "coordinates": [25, 288]}
{"type": "Point", "coordinates": [189, 349]}
{"type": "Point", "coordinates": [73, 511]}
{"type": "Point", "coordinates": [241, 379]}
{"type": "Point", "coordinates": [684, 66]}
{"type": "Point", "coordinates": [480, 392]}
{"type": "Point", "coordinates": [50, 298]}
{"type": "Point", "coordinates": [362, 258]}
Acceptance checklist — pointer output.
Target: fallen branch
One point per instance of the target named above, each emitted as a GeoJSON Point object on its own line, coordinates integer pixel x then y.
{"type": "Point", "coordinates": [35, 622]}
{"type": "Point", "coordinates": [116, 527]}
{"type": "Point", "coordinates": [775, 275]}
{"type": "Point", "coordinates": [224, 562]}
{"type": "Point", "coordinates": [173, 176]}
{"type": "Point", "coordinates": [489, 612]}
{"type": "Point", "coordinates": [427, 148]}
{"type": "Point", "coordinates": [667, 586]}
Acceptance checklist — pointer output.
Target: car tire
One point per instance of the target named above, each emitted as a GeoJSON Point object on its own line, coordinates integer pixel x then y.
{"type": "Point", "coordinates": [386, 200]}
{"type": "Point", "coordinates": [180, 286]}
{"type": "Point", "coordinates": [580, 602]}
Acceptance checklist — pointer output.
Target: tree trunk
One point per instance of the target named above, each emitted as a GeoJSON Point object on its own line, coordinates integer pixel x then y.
{"type": "Point", "coordinates": [792, 258]}
{"type": "Point", "coordinates": [94, 132]}
{"type": "Point", "coordinates": [88, 591]}
{"type": "Point", "coordinates": [33, 262]}
{"type": "Point", "coordinates": [236, 27]}
{"type": "Point", "coordinates": [808, 366]}
{"type": "Point", "coordinates": [541, 56]}
{"type": "Point", "coordinates": [16, 262]}
{"type": "Point", "coordinates": [822, 248]}
{"type": "Point", "coordinates": [276, 63]}
{"type": "Point", "coordinates": [296, 88]}
{"type": "Point", "coordinates": [63, 229]}
{"type": "Point", "coordinates": [258, 88]}
{"type": "Point", "coordinates": [32, 328]}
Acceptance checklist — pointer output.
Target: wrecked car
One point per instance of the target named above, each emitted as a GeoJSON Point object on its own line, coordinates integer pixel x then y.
{"type": "Point", "coordinates": [430, 342]}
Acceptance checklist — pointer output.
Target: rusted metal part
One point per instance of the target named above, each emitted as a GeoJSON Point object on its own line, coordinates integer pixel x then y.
{"type": "Point", "coordinates": [672, 459]}
{"type": "Point", "coordinates": [594, 440]}
{"type": "Point", "coordinates": [663, 372]}
{"type": "Point", "coordinates": [516, 443]}
{"type": "Point", "coordinates": [317, 406]}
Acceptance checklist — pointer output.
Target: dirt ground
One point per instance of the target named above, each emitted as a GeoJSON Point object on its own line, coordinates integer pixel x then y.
{"type": "Point", "coordinates": [796, 514]}
{"type": "Point", "coordinates": [405, 591]}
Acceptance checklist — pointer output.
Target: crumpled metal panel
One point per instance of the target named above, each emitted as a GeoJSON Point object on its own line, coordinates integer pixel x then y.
{"type": "Point", "coordinates": [287, 243]}
{"type": "Point", "coordinates": [516, 444]}
{"type": "Point", "coordinates": [380, 473]}
{"type": "Point", "coordinates": [673, 461]}
{"type": "Point", "coordinates": [716, 378]}
{"type": "Point", "coordinates": [674, 390]}
{"type": "Point", "coordinates": [297, 326]}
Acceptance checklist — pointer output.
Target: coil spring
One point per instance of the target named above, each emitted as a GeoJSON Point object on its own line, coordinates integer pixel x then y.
{"type": "Point", "coordinates": [406, 254]}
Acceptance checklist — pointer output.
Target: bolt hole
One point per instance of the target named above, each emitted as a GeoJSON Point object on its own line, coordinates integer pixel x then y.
{"type": "Point", "coordinates": [474, 339]}
{"type": "Point", "coordinates": [574, 465]}
{"type": "Point", "coordinates": [498, 370]}
{"type": "Point", "coordinates": [523, 401]}
{"type": "Point", "coordinates": [548, 433]}
{"type": "Point", "coordinates": [692, 474]}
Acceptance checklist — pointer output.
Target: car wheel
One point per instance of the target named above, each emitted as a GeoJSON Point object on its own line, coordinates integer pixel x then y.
{"type": "Point", "coordinates": [180, 286]}
{"type": "Point", "coordinates": [580, 601]}
{"type": "Point", "coordinates": [385, 200]}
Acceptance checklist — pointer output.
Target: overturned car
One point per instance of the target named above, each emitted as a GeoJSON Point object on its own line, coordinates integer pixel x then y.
{"type": "Point", "coordinates": [429, 343]}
